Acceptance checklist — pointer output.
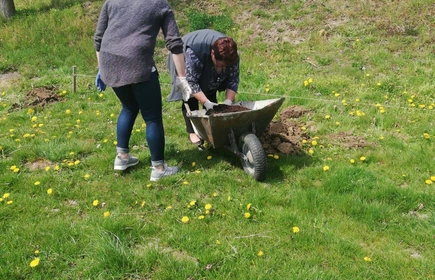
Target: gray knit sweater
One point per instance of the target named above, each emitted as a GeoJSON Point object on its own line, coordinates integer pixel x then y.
{"type": "Point", "coordinates": [126, 37]}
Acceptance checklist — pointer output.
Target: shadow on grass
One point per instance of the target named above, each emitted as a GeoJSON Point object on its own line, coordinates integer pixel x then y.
{"type": "Point", "coordinates": [277, 169]}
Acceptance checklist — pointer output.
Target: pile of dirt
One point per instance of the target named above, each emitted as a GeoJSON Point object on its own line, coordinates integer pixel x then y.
{"type": "Point", "coordinates": [222, 108]}
{"type": "Point", "coordinates": [285, 134]}
{"type": "Point", "coordinates": [37, 97]}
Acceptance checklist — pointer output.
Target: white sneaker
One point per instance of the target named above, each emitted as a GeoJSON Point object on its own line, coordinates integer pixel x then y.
{"type": "Point", "coordinates": [156, 174]}
{"type": "Point", "coordinates": [123, 164]}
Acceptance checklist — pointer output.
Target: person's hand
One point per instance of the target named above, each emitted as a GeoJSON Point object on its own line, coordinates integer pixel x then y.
{"type": "Point", "coordinates": [227, 102]}
{"type": "Point", "coordinates": [101, 86]}
{"type": "Point", "coordinates": [182, 85]}
{"type": "Point", "coordinates": [209, 105]}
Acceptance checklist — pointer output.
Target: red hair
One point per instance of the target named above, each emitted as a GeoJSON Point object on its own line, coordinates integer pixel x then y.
{"type": "Point", "coordinates": [225, 49]}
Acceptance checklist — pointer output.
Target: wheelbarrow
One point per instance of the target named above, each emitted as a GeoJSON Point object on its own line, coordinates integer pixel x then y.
{"type": "Point", "coordinates": [239, 132]}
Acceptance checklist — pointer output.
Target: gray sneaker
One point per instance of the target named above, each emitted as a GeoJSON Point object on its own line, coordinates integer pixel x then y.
{"type": "Point", "coordinates": [156, 174]}
{"type": "Point", "coordinates": [123, 164]}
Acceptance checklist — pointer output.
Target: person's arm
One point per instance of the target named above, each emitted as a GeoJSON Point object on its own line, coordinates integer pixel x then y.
{"type": "Point", "coordinates": [179, 64]}
{"type": "Point", "coordinates": [194, 68]}
{"type": "Point", "coordinates": [232, 84]}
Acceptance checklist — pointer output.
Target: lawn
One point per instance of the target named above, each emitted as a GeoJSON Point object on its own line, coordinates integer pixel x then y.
{"type": "Point", "coordinates": [349, 197]}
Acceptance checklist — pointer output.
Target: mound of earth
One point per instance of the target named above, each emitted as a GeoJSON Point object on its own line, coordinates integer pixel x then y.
{"type": "Point", "coordinates": [37, 97]}
{"type": "Point", "coordinates": [285, 134]}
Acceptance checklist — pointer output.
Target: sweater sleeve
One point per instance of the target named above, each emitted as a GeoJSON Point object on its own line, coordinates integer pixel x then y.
{"type": "Point", "coordinates": [101, 28]}
{"type": "Point", "coordinates": [170, 31]}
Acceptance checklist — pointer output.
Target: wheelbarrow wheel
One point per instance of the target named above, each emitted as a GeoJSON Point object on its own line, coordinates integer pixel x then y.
{"type": "Point", "coordinates": [254, 159]}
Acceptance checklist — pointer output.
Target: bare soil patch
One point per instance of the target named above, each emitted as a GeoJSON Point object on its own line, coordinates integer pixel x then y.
{"type": "Point", "coordinates": [36, 98]}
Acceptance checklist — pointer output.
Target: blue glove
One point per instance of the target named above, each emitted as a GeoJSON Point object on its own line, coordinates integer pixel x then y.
{"type": "Point", "coordinates": [101, 86]}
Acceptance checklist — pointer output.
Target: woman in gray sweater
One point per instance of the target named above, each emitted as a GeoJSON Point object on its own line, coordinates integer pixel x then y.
{"type": "Point", "coordinates": [124, 41]}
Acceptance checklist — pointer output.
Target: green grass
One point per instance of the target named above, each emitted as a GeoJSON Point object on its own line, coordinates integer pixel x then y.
{"type": "Point", "coordinates": [371, 70]}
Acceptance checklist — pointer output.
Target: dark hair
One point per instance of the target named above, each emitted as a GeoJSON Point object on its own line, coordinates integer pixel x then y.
{"type": "Point", "coordinates": [225, 49]}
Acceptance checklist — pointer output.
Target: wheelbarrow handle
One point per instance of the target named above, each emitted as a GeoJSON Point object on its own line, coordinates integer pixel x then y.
{"type": "Point", "coordinates": [189, 113]}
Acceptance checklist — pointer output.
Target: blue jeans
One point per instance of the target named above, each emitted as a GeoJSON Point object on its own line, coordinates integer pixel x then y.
{"type": "Point", "coordinates": [146, 97]}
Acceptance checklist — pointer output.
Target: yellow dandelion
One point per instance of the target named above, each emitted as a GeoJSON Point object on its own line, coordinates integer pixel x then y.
{"type": "Point", "coordinates": [149, 185]}
{"type": "Point", "coordinates": [295, 229]}
{"type": "Point", "coordinates": [106, 214]}
{"type": "Point", "coordinates": [367, 259]}
{"type": "Point", "coordinates": [200, 217]}
{"type": "Point", "coordinates": [197, 171]}
{"type": "Point", "coordinates": [327, 117]}
{"type": "Point", "coordinates": [428, 182]}
{"type": "Point", "coordinates": [49, 191]}
{"type": "Point", "coordinates": [432, 178]}
{"type": "Point", "coordinates": [229, 198]}
{"type": "Point", "coordinates": [9, 202]}
{"type": "Point", "coordinates": [218, 242]}
{"type": "Point", "coordinates": [185, 183]}
{"type": "Point", "coordinates": [193, 164]}
{"type": "Point", "coordinates": [314, 143]}
{"type": "Point", "coordinates": [192, 203]}
{"type": "Point", "coordinates": [208, 206]}
{"type": "Point", "coordinates": [311, 151]}
{"type": "Point", "coordinates": [142, 204]}
{"type": "Point", "coordinates": [325, 168]}
{"type": "Point", "coordinates": [87, 176]}
{"type": "Point", "coordinates": [362, 158]}
{"type": "Point", "coordinates": [260, 253]}
{"type": "Point", "coordinates": [185, 220]}
{"type": "Point", "coordinates": [6, 195]}
{"type": "Point", "coordinates": [426, 135]}
{"type": "Point", "coordinates": [276, 156]}
{"type": "Point", "coordinates": [381, 138]}
{"type": "Point", "coordinates": [36, 252]}
{"type": "Point", "coordinates": [67, 111]}
{"type": "Point", "coordinates": [47, 168]}
{"type": "Point", "coordinates": [16, 170]}
{"type": "Point", "coordinates": [247, 215]}
{"type": "Point", "coordinates": [35, 262]}
{"type": "Point", "coordinates": [304, 128]}
{"type": "Point", "coordinates": [352, 161]}
{"type": "Point", "coordinates": [248, 207]}
{"type": "Point", "coordinates": [95, 203]}
{"type": "Point", "coordinates": [37, 183]}
{"type": "Point", "coordinates": [209, 157]}
{"type": "Point", "coordinates": [215, 194]}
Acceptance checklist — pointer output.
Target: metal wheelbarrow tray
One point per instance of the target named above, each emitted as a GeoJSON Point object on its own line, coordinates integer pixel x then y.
{"type": "Point", "coordinates": [239, 132]}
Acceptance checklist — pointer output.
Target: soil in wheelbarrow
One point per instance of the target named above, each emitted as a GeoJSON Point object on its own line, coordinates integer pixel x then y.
{"type": "Point", "coordinates": [222, 108]}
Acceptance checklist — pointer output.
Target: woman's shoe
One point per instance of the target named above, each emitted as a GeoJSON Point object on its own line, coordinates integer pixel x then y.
{"type": "Point", "coordinates": [196, 143]}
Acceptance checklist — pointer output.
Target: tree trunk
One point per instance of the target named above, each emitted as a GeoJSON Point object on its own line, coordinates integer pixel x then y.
{"type": "Point", "coordinates": [7, 8]}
